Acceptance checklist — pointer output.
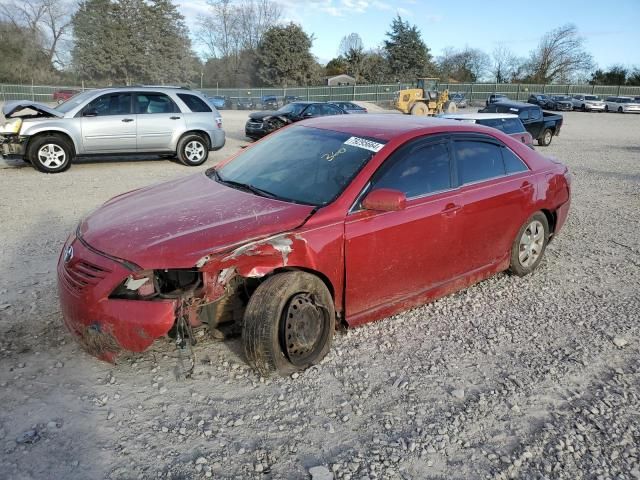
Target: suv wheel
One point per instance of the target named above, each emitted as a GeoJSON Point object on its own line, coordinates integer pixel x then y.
{"type": "Point", "coordinates": [193, 150]}
{"type": "Point", "coordinates": [50, 154]}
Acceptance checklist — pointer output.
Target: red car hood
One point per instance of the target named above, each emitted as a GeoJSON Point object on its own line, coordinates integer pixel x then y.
{"type": "Point", "coordinates": [174, 224]}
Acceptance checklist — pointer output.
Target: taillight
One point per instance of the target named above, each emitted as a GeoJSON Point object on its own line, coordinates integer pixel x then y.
{"type": "Point", "coordinates": [219, 122]}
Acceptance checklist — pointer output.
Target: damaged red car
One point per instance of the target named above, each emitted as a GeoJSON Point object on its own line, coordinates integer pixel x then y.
{"type": "Point", "coordinates": [332, 221]}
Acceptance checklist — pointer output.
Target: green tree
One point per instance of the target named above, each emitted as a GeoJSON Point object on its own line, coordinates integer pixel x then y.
{"type": "Point", "coordinates": [375, 68]}
{"type": "Point", "coordinates": [335, 66]}
{"type": "Point", "coordinates": [616, 75]}
{"type": "Point", "coordinates": [407, 54]}
{"type": "Point", "coordinates": [23, 58]}
{"type": "Point", "coordinates": [132, 41]}
{"type": "Point", "coordinates": [284, 57]}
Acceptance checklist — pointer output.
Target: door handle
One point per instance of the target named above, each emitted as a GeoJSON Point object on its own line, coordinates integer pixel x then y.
{"type": "Point", "coordinates": [451, 209]}
{"type": "Point", "coordinates": [127, 120]}
{"type": "Point", "coordinates": [174, 118]}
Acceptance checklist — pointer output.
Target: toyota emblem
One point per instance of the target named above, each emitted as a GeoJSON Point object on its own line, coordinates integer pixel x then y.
{"type": "Point", "coordinates": [68, 254]}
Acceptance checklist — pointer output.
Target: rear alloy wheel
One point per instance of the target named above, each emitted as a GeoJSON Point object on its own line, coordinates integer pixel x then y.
{"type": "Point", "coordinates": [529, 245]}
{"type": "Point", "coordinates": [193, 150]}
{"type": "Point", "coordinates": [288, 323]}
{"type": "Point", "coordinates": [546, 137]}
{"type": "Point", "coordinates": [50, 154]}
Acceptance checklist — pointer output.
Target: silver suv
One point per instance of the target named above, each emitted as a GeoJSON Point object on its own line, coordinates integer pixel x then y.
{"type": "Point", "coordinates": [133, 120]}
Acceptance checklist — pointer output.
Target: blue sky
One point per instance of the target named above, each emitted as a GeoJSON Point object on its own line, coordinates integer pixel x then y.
{"type": "Point", "coordinates": [464, 22]}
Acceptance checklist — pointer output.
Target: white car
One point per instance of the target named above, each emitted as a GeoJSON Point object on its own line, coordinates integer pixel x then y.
{"type": "Point", "coordinates": [621, 105]}
{"type": "Point", "coordinates": [506, 122]}
{"type": "Point", "coordinates": [587, 103]}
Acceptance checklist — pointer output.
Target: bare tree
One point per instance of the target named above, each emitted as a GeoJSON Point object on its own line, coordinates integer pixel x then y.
{"type": "Point", "coordinates": [255, 18]}
{"type": "Point", "coordinates": [48, 20]}
{"type": "Point", "coordinates": [505, 64]}
{"type": "Point", "coordinates": [467, 65]}
{"type": "Point", "coordinates": [559, 56]}
{"type": "Point", "coordinates": [219, 31]}
{"type": "Point", "coordinates": [352, 50]}
{"type": "Point", "coordinates": [350, 43]}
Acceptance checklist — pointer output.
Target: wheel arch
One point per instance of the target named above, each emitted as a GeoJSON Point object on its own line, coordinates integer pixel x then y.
{"type": "Point", "coordinates": [552, 218]}
{"type": "Point", "coordinates": [196, 131]}
{"type": "Point", "coordinates": [53, 133]}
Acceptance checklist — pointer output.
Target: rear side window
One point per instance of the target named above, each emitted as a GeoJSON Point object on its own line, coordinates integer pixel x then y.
{"type": "Point", "coordinates": [478, 161]}
{"type": "Point", "coordinates": [421, 171]}
{"type": "Point", "coordinates": [154, 103]}
{"type": "Point", "coordinates": [512, 163]}
{"type": "Point", "coordinates": [535, 114]}
{"type": "Point", "coordinates": [194, 103]}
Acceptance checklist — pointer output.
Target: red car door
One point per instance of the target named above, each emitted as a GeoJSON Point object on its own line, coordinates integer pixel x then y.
{"type": "Point", "coordinates": [392, 256]}
{"type": "Point", "coordinates": [496, 190]}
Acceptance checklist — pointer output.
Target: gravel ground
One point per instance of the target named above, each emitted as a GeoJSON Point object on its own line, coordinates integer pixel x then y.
{"type": "Point", "coordinates": [535, 377]}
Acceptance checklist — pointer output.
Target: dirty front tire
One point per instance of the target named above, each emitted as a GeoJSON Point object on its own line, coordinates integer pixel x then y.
{"type": "Point", "coordinates": [545, 139]}
{"type": "Point", "coordinates": [50, 154]}
{"type": "Point", "coordinates": [288, 323]}
{"type": "Point", "coordinates": [450, 107]}
{"type": "Point", "coordinates": [529, 245]}
{"type": "Point", "coordinates": [193, 150]}
{"type": "Point", "coordinates": [419, 109]}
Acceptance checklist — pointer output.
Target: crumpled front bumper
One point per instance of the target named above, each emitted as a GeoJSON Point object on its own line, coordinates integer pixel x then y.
{"type": "Point", "coordinates": [13, 146]}
{"type": "Point", "coordinates": [106, 326]}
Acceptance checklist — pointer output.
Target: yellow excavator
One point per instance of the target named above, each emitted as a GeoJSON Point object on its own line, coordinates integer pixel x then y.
{"type": "Point", "coordinates": [425, 99]}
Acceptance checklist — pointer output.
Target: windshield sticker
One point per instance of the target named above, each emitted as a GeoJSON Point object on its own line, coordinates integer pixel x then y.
{"type": "Point", "coordinates": [330, 157]}
{"type": "Point", "coordinates": [363, 143]}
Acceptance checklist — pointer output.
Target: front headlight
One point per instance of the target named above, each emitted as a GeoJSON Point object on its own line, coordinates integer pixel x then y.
{"type": "Point", "coordinates": [149, 284]}
{"type": "Point", "coordinates": [11, 127]}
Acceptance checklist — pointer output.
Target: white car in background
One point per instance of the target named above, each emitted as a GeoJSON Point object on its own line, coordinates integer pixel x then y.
{"type": "Point", "coordinates": [621, 105]}
{"type": "Point", "coordinates": [505, 122]}
{"type": "Point", "coordinates": [587, 103]}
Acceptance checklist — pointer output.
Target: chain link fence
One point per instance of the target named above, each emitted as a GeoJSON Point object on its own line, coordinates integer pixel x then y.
{"type": "Point", "coordinates": [475, 92]}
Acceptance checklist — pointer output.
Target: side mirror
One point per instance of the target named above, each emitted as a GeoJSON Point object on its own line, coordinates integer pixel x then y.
{"type": "Point", "coordinates": [92, 112]}
{"type": "Point", "coordinates": [385, 200]}
{"type": "Point", "coordinates": [308, 114]}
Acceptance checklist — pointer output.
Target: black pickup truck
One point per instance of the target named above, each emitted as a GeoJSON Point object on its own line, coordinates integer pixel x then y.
{"type": "Point", "coordinates": [542, 126]}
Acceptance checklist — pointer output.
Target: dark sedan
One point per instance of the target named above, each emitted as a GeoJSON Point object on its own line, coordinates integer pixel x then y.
{"type": "Point", "coordinates": [263, 123]}
{"type": "Point", "coordinates": [562, 102]}
{"type": "Point", "coordinates": [349, 107]}
{"type": "Point", "coordinates": [245, 104]}
{"type": "Point", "coordinates": [542, 100]}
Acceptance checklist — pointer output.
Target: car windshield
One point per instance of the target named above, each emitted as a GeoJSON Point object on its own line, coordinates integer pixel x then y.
{"type": "Point", "coordinates": [591, 97]}
{"type": "Point", "coordinates": [300, 164]}
{"type": "Point", "coordinates": [295, 108]}
{"type": "Point", "coordinates": [74, 101]}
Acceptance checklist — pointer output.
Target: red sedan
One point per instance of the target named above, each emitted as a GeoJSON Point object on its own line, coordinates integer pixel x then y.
{"type": "Point", "coordinates": [343, 219]}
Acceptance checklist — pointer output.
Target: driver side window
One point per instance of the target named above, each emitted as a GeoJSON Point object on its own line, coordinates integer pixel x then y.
{"type": "Point", "coordinates": [420, 171]}
{"type": "Point", "coordinates": [110, 104]}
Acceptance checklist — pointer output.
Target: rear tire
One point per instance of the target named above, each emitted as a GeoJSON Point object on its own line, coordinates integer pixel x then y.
{"type": "Point", "coordinates": [419, 109]}
{"type": "Point", "coordinates": [288, 323]}
{"type": "Point", "coordinates": [450, 107]}
{"type": "Point", "coordinates": [545, 139]}
{"type": "Point", "coordinates": [50, 154]}
{"type": "Point", "coordinates": [529, 245]}
{"type": "Point", "coordinates": [193, 150]}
